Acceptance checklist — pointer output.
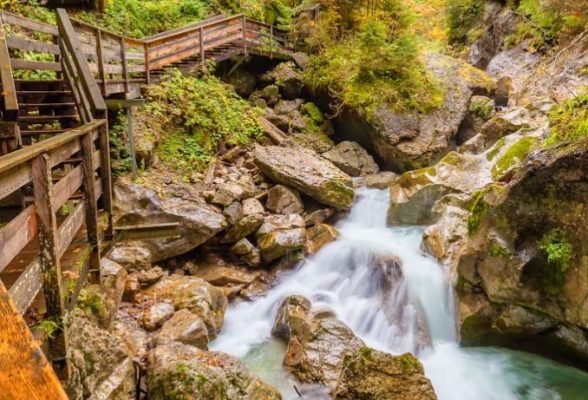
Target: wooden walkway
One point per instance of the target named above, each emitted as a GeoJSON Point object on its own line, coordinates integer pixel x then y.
{"type": "Point", "coordinates": [55, 183]}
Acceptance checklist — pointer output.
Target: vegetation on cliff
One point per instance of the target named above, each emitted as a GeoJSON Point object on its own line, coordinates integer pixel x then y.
{"type": "Point", "coordinates": [569, 120]}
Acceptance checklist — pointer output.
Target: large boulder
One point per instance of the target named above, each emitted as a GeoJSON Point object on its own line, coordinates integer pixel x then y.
{"type": "Point", "coordinates": [352, 159]}
{"type": "Point", "coordinates": [179, 371]}
{"type": "Point", "coordinates": [138, 205]}
{"type": "Point", "coordinates": [183, 327]}
{"type": "Point", "coordinates": [279, 243]}
{"type": "Point", "coordinates": [102, 363]}
{"type": "Point", "coordinates": [372, 375]}
{"type": "Point", "coordinates": [306, 171]}
{"type": "Point", "coordinates": [410, 140]}
{"type": "Point", "coordinates": [293, 318]}
{"type": "Point", "coordinates": [193, 294]}
{"type": "Point", "coordinates": [316, 354]}
{"type": "Point", "coordinates": [288, 79]}
{"type": "Point", "coordinates": [283, 200]}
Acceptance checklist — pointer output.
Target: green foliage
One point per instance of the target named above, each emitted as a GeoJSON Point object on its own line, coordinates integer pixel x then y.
{"type": "Point", "coordinates": [478, 210]}
{"type": "Point", "coordinates": [569, 120]}
{"type": "Point", "coordinates": [497, 250]}
{"type": "Point", "coordinates": [202, 118]}
{"type": "Point", "coordinates": [515, 153]}
{"type": "Point", "coordinates": [462, 15]}
{"type": "Point", "coordinates": [48, 326]}
{"type": "Point", "coordinates": [548, 20]}
{"type": "Point", "coordinates": [90, 301]}
{"type": "Point", "coordinates": [139, 18]}
{"type": "Point", "coordinates": [120, 156]}
{"type": "Point", "coordinates": [373, 66]}
{"type": "Point", "coordinates": [559, 252]}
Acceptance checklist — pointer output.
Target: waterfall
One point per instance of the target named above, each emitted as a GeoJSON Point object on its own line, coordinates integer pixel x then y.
{"type": "Point", "coordinates": [396, 298]}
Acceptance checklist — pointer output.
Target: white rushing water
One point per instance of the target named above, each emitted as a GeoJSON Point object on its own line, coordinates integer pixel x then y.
{"type": "Point", "coordinates": [393, 311]}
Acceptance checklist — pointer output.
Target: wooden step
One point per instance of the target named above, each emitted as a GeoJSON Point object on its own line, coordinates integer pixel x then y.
{"type": "Point", "coordinates": [45, 118]}
{"type": "Point", "coordinates": [46, 105]}
{"type": "Point", "coordinates": [38, 132]}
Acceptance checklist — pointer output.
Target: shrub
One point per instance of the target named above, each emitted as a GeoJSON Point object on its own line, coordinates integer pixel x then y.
{"type": "Point", "coordinates": [462, 15]}
{"type": "Point", "coordinates": [569, 120]}
{"type": "Point", "coordinates": [559, 252]}
{"type": "Point", "coordinates": [198, 119]}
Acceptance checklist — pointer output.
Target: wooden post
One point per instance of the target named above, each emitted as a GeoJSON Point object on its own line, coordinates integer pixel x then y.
{"type": "Point", "coordinates": [100, 53]}
{"type": "Point", "coordinates": [123, 58]}
{"type": "Point", "coordinates": [49, 259]}
{"type": "Point", "coordinates": [202, 55]}
{"type": "Point", "coordinates": [244, 28]}
{"type": "Point", "coordinates": [106, 178]}
{"type": "Point", "coordinates": [87, 149]}
{"type": "Point", "coordinates": [147, 62]}
{"type": "Point", "coordinates": [132, 142]}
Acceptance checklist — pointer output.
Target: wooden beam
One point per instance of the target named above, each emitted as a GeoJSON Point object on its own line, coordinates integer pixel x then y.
{"type": "Point", "coordinates": [13, 19]}
{"type": "Point", "coordinates": [90, 199]}
{"type": "Point", "coordinates": [49, 260]}
{"type": "Point", "coordinates": [71, 41]}
{"type": "Point", "coordinates": [17, 234]}
{"type": "Point", "coordinates": [25, 373]}
{"type": "Point", "coordinates": [6, 78]}
{"type": "Point", "coordinates": [14, 42]}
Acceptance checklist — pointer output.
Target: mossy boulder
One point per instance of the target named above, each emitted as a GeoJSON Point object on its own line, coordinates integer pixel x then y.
{"type": "Point", "coordinates": [406, 140]}
{"type": "Point", "coordinates": [318, 236]}
{"type": "Point", "coordinates": [373, 375]}
{"type": "Point", "coordinates": [177, 371]}
{"type": "Point", "coordinates": [280, 243]}
{"type": "Point", "coordinates": [352, 159]}
{"type": "Point", "coordinates": [287, 77]}
{"type": "Point", "coordinates": [304, 170]}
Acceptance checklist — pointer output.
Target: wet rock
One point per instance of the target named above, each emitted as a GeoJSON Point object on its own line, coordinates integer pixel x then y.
{"type": "Point", "coordinates": [319, 357]}
{"type": "Point", "coordinates": [245, 227]}
{"type": "Point", "coordinates": [374, 375]}
{"type": "Point", "coordinates": [243, 81]}
{"type": "Point", "coordinates": [318, 142]}
{"type": "Point", "coordinates": [293, 318]}
{"type": "Point", "coordinates": [222, 276]}
{"type": "Point", "coordinates": [279, 243]}
{"type": "Point", "coordinates": [382, 180]}
{"type": "Point", "coordinates": [102, 364]}
{"type": "Point", "coordinates": [156, 314]}
{"type": "Point", "coordinates": [307, 172]}
{"type": "Point", "coordinates": [132, 286]}
{"type": "Point", "coordinates": [352, 159]}
{"type": "Point", "coordinates": [288, 79]}
{"type": "Point", "coordinates": [136, 338]}
{"type": "Point", "coordinates": [150, 276]}
{"type": "Point", "coordinates": [271, 94]}
{"type": "Point", "coordinates": [247, 252]}
{"type": "Point", "coordinates": [131, 257]}
{"type": "Point", "coordinates": [183, 327]}
{"type": "Point", "coordinates": [193, 294]}
{"type": "Point", "coordinates": [233, 212]}
{"type": "Point", "coordinates": [283, 200]}
{"type": "Point", "coordinates": [180, 371]}
{"type": "Point", "coordinates": [273, 223]}
{"type": "Point", "coordinates": [285, 107]}
{"type": "Point", "coordinates": [319, 236]}
{"type": "Point", "coordinates": [227, 193]}
{"type": "Point", "coordinates": [319, 216]}
{"type": "Point", "coordinates": [113, 278]}
{"type": "Point", "coordinates": [198, 222]}
{"type": "Point", "coordinates": [252, 206]}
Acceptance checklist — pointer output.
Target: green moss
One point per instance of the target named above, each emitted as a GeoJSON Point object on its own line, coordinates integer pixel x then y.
{"type": "Point", "coordinates": [569, 120]}
{"type": "Point", "coordinates": [314, 112]}
{"type": "Point", "coordinates": [559, 252]}
{"type": "Point", "coordinates": [462, 15]}
{"type": "Point", "coordinates": [516, 153]}
{"type": "Point", "coordinates": [497, 250]}
{"type": "Point", "coordinates": [496, 149]}
{"type": "Point", "coordinates": [482, 108]}
{"type": "Point", "coordinates": [478, 210]}
{"type": "Point", "coordinates": [366, 352]}
{"type": "Point", "coordinates": [48, 326]}
{"type": "Point", "coordinates": [452, 158]}
{"type": "Point", "coordinates": [408, 363]}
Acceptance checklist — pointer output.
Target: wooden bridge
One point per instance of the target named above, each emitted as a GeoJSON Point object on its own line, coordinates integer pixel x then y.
{"type": "Point", "coordinates": [54, 156]}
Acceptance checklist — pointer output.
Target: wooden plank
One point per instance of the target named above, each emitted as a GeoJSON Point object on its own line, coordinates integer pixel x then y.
{"type": "Point", "coordinates": [14, 42]}
{"type": "Point", "coordinates": [13, 19]}
{"type": "Point", "coordinates": [125, 70]}
{"type": "Point", "coordinates": [106, 179]}
{"type": "Point", "coordinates": [100, 54]}
{"type": "Point", "coordinates": [49, 259]}
{"type": "Point", "coordinates": [82, 103]}
{"type": "Point", "coordinates": [90, 199]}
{"type": "Point", "coordinates": [25, 373]}
{"type": "Point", "coordinates": [68, 34]}
{"type": "Point", "coordinates": [70, 227]}
{"type": "Point", "coordinates": [186, 28]}
{"type": "Point", "coordinates": [13, 180]}
{"type": "Point", "coordinates": [21, 156]}
{"type": "Point", "coordinates": [34, 65]}
{"type": "Point", "coordinates": [183, 33]}
{"type": "Point", "coordinates": [17, 234]}
{"type": "Point", "coordinates": [71, 183]}
{"type": "Point", "coordinates": [6, 78]}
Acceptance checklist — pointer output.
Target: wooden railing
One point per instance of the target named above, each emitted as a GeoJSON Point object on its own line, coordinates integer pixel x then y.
{"type": "Point", "coordinates": [55, 169]}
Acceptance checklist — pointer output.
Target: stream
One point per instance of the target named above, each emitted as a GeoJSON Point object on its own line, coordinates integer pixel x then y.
{"type": "Point", "coordinates": [392, 311]}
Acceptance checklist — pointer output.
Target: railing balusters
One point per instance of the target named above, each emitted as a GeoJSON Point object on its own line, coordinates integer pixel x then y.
{"type": "Point", "coordinates": [123, 60]}
{"type": "Point", "coordinates": [202, 54]}
{"type": "Point", "coordinates": [244, 28]}
{"type": "Point", "coordinates": [49, 259]}
{"type": "Point", "coordinates": [100, 55]}
{"type": "Point", "coordinates": [147, 63]}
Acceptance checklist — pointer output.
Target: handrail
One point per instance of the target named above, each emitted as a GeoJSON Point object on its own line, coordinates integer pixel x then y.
{"type": "Point", "coordinates": [71, 43]}
{"type": "Point", "coordinates": [128, 40]}
{"type": "Point", "coordinates": [6, 78]}
{"type": "Point", "coordinates": [184, 28]}
{"type": "Point", "coordinates": [195, 29]}
{"type": "Point", "coordinates": [18, 157]}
